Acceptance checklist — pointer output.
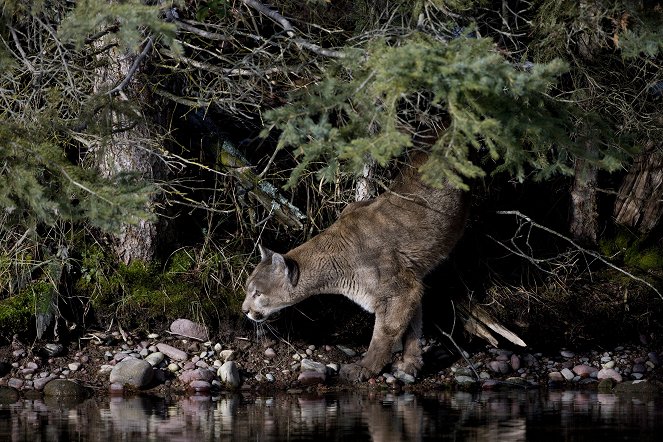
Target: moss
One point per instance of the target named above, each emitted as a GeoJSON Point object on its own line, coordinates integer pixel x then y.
{"type": "Point", "coordinates": [632, 251]}
{"type": "Point", "coordinates": [143, 294]}
{"type": "Point", "coordinates": [17, 312]}
{"type": "Point", "coordinates": [181, 261]}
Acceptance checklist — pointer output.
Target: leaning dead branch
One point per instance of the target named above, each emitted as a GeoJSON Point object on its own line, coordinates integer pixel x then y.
{"type": "Point", "coordinates": [581, 249]}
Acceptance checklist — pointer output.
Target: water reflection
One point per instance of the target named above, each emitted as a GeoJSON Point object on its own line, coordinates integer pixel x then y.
{"type": "Point", "coordinates": [513, 416]}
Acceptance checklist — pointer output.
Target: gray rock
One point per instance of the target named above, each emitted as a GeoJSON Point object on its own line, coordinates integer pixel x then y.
{"type": "Point", "coordinates": [53, 349]}
{"type": "Point", "coordinates": [155, 358]}
{"type": "Point", "coordinates": [133, 372]}
{"type": "Point", "coordinates": [190, 329]}
{"type": "Point", "coordinates": [311, 378]}
{"type": "Point", "coordinates": [64, 388]}
{"type": "Point", "coordinates": [348, 351]}
{"type": "Point", "coordinates": [270, 377]}
{"type": "Point", "coordinates": [270, 353]}
{"type": "Point", "coordinates": [173, 353]}
{"type": "Point", "coordinates": [15, 383]}
{"type": "Point", "coordinates": [40, 383]}
{"type": "Point", "coordinates": [74, 366]}
{"type": "Point", "coordinates": [229, 374]}
{"type": "Point", "coordinates": [568, 374]}
{"type": "Point", "coordinates": [567, 354]}
{"type": "Point", "coordinates": [309, 365]}
{"type": "Point", "coordinates": [515, 362]}
{"type": "Point", "coordinates": [653, 357]}
{"type": "Point", "coordinates": [465, 381]}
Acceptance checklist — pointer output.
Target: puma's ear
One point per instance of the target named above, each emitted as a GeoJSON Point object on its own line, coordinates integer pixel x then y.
{"type": "Point", "coordinates": [265, 253]}
{"type": "Point", "coordinates": [286, 265]}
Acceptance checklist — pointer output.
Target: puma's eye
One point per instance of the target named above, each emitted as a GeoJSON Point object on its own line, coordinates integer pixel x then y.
{"type": "Point", "coordinates": [256, 294]}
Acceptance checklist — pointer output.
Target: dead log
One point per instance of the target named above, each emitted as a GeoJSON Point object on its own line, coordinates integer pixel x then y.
{"type": "Point", "coordinates": [479, 322]}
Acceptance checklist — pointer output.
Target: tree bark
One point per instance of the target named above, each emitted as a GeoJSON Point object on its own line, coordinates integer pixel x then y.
{"type": "Point", "coordinates": [639, 202]}
{"type": "Point", "coordinates": [130, 146]}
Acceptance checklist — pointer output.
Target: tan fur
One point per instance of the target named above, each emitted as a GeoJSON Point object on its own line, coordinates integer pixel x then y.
{"type": "Point", "coordinates": [377, 254]}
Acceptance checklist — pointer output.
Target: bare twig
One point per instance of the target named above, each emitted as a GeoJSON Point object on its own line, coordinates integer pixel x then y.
{"type": "Point", "coordinates": [132, 70]}
{"type": "Point", "coordinates": [290, 30]}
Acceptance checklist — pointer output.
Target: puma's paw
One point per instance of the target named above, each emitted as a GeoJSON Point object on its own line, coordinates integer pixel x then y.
{"type": "Point", "coordinates": [354, 373]}
{"type": "Point", "coordinates": [409, 366]}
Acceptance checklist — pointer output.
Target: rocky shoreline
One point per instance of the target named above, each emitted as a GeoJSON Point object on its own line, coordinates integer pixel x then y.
{"type": "Point", "coordinates": [185, 362]}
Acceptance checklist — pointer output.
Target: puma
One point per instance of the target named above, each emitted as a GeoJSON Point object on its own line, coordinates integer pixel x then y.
{"type": "Point", "coordinates": [377, 254]}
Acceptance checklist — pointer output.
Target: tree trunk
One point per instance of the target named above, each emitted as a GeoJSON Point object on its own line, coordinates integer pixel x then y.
{"type": "Point", "coordinates": [584, 211]}
{"type": "Point", "coordinates": [639, 202]}
{"type": "Point", "coordinates": [130, 148]}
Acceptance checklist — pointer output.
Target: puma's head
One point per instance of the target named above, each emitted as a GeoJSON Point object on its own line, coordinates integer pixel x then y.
{"type": "Point", "coordinates": [270, 286]}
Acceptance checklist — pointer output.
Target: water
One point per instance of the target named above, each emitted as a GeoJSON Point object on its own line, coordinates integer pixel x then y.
{"type": "Point", "coordinates": [500, 416]}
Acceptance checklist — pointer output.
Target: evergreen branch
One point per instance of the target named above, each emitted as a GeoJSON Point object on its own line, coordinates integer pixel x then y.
{"type": "Point", "coordinates": [577, 246]}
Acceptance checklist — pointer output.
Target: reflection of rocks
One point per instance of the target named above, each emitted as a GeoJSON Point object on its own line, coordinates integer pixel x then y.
{"type": "Point", "coordinates": [8, 395]}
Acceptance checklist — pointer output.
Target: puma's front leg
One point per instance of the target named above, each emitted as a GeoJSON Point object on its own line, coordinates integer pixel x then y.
{"type": "Point", "coordinates": [391, 321]}
{"type": "Point", "coordinates": [412, 360]}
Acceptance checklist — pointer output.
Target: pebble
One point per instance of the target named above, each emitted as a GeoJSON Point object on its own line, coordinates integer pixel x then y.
{"type": "Point", "coordinates": [555, 376]}
{"type": "Point", "coordinates": [155, 358]}
{"type": "Point", "coordinates": [189, 329]}
{"type": "Point", "coordinates": [270, 353]}
{"type": "Point", "coordinates": [200, 386]}
{"type": "Point", "coordinates": [609, 373]}
{"type": "Point", "coordinates": [347, 350]}
{"type": "Point", "coordinates": [309, 365]}
{"type": "Point", "coordinates": [74, 366]}
{"type": "Point", "coordinates": [270, 377]}
{"type": "Point", "coordinates": [584, 370]}
{"type": "Point", "coordinates": [198, 374]}
{"type": "Point", "coordinates": [229, 374]}
{"type": "Point", "coordinates": [311, 378]}
{"type": "Point", "coordinates": [39, 384]}
{"type": "Point", "coordinates": [609, 364]}
{"type": "Point", "coordinates": [153, 336]}
{"type": "Point", "coordinates": [227, 355]}
{"type": "Point", "coordinates": [172, 352]}
{"type": "Point", "coordinates": [404, 377]}
{"type": "Point", "coordinates": [568, 374]}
